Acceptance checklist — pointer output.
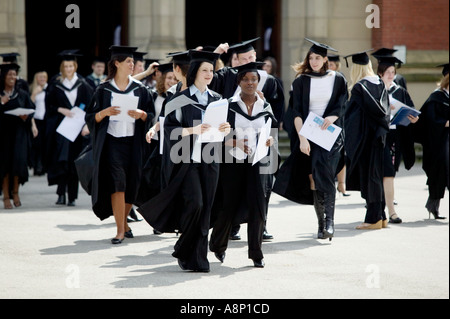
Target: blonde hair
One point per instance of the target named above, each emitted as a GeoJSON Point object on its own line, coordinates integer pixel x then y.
{"type": "Point", "coordinates": [444, 83]}
{"type": "Point", "coordinates": [359, 72]}
{"type": "Point", "coordinates": [35, 81]}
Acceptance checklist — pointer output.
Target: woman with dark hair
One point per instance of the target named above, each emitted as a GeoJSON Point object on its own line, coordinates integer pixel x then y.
{"type": "Point", "coordinates": [433, 134]}
{"type": "Point", "coordinates": [67, 92]}
{"type": "Point", "coordinates": [118, 146]}
{"type": "Point", "coordinates": [308, 176]}
{"type": "Point", "coordinates": [15, 135]}
{"type": "Point", "coordinates": [242, 188]}
{"type": "Point", "coordinates": [399, 140]}
{"type": "Point", "coordinates": [191, 168]}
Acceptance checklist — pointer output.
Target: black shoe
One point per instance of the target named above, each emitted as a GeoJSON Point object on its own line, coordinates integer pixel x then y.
{"type": "Point", "coordinates": [117, 241]}
{"type": "Point", "coordinates": [259, 263]}
{"type": "Point", "coordinates": [267, 236]}
{"type": "Point", "coordinates": [71, 204]}
{"type": "Point", "coordinates": [61, 200]}
{"type": "Point", "coordinates": [235, 236]}
{"type": "Point", "coordinates": [132, 217]}
{"type": "Point", "coordinates": [220, 257]}
{"type": "Point", "coordinates": [157, 232]}
{"type": "Point", "coordinates": [396, 220]}
{"type": "Point", "coordinates": [129, 234]}
{"type": "Point", "coordinates": [436, 216]}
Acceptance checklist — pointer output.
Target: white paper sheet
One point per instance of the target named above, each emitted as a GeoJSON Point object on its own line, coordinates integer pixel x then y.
{"type": "Point", "coordinates": [313, 132]}
{"type": "Point", "coordinates": [397, 105]}
{"type": "Point", "coordinates": [262, 150]}
{"type": "Point", "coordinates": [71, 127]}
{"type": "Point", "coordinates": [126, 103]}
{"type": "Point", "coordinates": [20, 111]}
{"type": "Point", "coordinates": [216, 114]}
{"type": "Point", "coordinates": [161, 134]}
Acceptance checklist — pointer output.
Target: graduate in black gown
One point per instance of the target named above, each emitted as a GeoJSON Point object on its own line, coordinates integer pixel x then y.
{"type": "Point", "coordinates": [432, 132]}
{"type": "Point", "coordinates": [242, 187]}
{"type": "Point", "coordinates": [118, 146]}
{"type": "Point", "coordinates": [366, 122]}
{"type": "Point", "coordinates": [225, 83]}
{"type": "Point", "coordinates": [387, 52]}
{"type": "Point", "coordinates": [308, 175]}
{"type": "Point", "coordinates": [191, 168]}
{"type": "Point", "coordinates": [400, 139]}
{"type": "Point", "coordinates": [9, 58]}
{"type": "Point", "coordinates": [15, 135]}
{"type": "Point", "coordinates": [67, 92]}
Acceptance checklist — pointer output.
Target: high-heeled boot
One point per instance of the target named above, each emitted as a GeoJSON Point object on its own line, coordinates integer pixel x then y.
{"type": "Point", "coordinates": [433, 208]}
{"type": "Point", "coordinates": [329, 208]}
{"type": "Point", "coordinates": [320, 212]}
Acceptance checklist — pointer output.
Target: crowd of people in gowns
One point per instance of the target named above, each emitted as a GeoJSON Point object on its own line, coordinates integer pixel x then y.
{"type": "Point", "coordinates": [153, 156]}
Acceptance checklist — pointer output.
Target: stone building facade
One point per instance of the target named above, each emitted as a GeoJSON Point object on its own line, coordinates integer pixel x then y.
{"type": "Point", "coordinates": [419, 27]}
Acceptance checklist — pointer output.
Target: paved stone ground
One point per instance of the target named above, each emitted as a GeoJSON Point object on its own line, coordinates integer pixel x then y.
{"type": "Point", "coordinates": [59, 252]}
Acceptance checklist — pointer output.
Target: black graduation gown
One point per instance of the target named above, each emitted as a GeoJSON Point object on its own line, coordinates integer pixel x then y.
{"type": "Point", "coordinates": [400, 141]}
{"type": "Point", "coordinates": [185, 205]}
{"type": "Point", "coordinates": [243, 191]}
{"type": "Point", "coordinates": [15, 138]}
{"type": "Point", "coordinates": [431, 132]}
{"type": "Point", "coordinates": [163, 211]}
{"type": "Point", "coordinates": [151, 175]}
{"type": "Point", "coordinates": [292, 181]}
{"type": "Point", "coordinates": [60, 152]}
{"type": "Point", "coordinates": [366, 123]}
{"type": "Point", "coordinates": [101, 195]}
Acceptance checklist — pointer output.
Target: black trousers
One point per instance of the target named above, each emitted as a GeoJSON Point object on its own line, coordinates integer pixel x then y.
{"type": "Point", "coordinates": [197, 192]}
{"type": "Point", "coordinates": [241, 184]}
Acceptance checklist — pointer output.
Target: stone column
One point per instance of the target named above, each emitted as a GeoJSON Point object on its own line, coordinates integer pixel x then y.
{"type": "Point", "coordinates": [12, 30]}
{"type": "Point", "coordinates": [158, 26]}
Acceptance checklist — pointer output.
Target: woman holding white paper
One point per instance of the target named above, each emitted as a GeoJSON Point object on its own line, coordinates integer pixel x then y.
{"type": "Point", "coordinates": [242, 191]}
{"type": "Point", "coordinates": [399, 140]}
{"type": "Point", "coordinates": [190, 168]}
{"type": "Point", "coordinates": [15, 136]}
{"type": "Point", "coordinates": [67, 92]}
{"type": "Point", "coordinates": [308, 176]}
{"type": "Point", "coordinates": [118, 146]}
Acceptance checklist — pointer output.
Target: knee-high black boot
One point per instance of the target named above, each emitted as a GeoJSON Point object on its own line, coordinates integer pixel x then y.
{"type": "Point", "coordinates": [320, 212]}
{"type": "Point", "coordinates": [329, 207]}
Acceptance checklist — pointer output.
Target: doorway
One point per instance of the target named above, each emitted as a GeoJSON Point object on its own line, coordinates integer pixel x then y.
{"type": "Point", "coordinates": [47, 33]}
{"type": "Point", "coordinates": [233, 22]}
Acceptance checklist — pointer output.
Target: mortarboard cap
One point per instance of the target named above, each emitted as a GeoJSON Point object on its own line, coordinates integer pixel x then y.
{"type": "Point", "coordinates": [243, 47]}
{"type": "Point", "coordinates": [69, 55]}
{"type": "Point", "coordinates": [181, 58]}
{"type": "Point", "coordinates": [10, 57]}
{"type": "Point", "coordinates": [148, 62]}
{"type": "Point", "coordinates": [5, 68]}
{"type": "Point", "coordinates": [446, 70]}
{"type": "Point", "coordinates": [139, 56]}
{"type": "Point", "coordinates": [164, 68]}
{"type": "Point", "coordinates": [204, 56]}
{"type": "Point", "coordinates": [361, 58]}
{"type": "Point", "coordinates": [334, 58]}
{"type": "Point", "coordinates": [320, 48]}
{"type": "Point", "coordinates": [384, 52]}
{"type": "Point", "coordinates": [249, 67]}
{"type": "Point", "coordinates": [117, 50]}
{"type": "Point", "coordinates": [389, 60]}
